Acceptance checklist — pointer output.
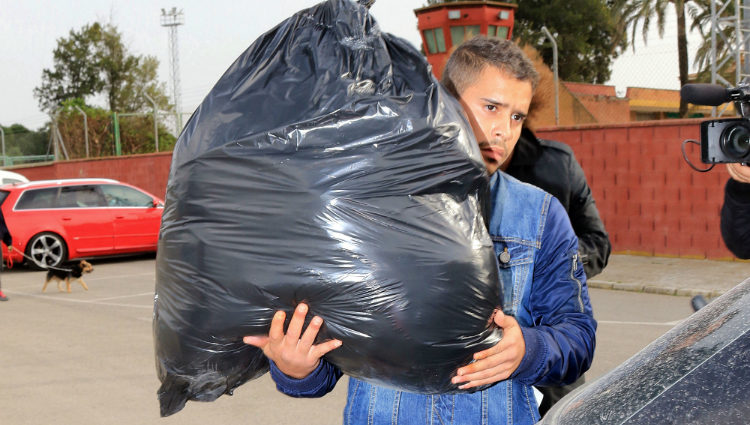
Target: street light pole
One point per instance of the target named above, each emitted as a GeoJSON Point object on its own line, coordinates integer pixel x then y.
{"type": "Point", "coordinates": [2, 136]}
{"type": "Point", "coordinates": [554, 68]}
{"type": "Point", "coordinates": [156, 125]}
{"type": "Point", "coordinates": [85, 129]}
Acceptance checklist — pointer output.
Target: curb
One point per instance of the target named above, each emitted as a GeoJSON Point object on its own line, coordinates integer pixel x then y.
{"type": "Point", "coordinates": [654, 289]}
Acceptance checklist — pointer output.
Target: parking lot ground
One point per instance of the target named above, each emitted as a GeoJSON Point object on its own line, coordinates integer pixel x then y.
{"type": "Point", "coordinates": [87, 357]}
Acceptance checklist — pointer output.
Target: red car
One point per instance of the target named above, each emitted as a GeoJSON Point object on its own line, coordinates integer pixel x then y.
{"type": "Point", "coordinates": [53, 221]}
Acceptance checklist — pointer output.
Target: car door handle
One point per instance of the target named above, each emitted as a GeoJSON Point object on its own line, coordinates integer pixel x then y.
{"type": "Point", "coordinates": [67, 218]}
{"type": "Point", "coordinates": [120, 216]}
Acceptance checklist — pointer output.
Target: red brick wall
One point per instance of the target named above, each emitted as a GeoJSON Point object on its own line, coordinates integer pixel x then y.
{"type": "Point", "coordinates": [651, 201]}
{"type": "Point", "coordinates": [649, 198]}
{"type": "Point", "coordinates": [148, 171]}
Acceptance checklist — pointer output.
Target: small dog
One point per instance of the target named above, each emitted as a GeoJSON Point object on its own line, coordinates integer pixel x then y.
{"type": "Point", "coordinates": [76, 273]}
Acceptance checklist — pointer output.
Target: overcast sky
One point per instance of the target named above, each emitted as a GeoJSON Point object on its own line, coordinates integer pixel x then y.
{"type": "Point", "coordinates": [214, 34]}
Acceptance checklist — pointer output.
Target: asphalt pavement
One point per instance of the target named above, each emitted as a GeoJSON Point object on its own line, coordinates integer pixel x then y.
{"type": "Point", "coordinates": [87, 357]}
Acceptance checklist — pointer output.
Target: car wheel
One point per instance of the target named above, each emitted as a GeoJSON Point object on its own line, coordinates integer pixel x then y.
{"type": "Point", "coordinates": [47, 250]}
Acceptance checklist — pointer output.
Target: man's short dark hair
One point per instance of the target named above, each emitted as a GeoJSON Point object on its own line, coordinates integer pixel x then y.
{"type": "Point", "coordinates": [472, 56]}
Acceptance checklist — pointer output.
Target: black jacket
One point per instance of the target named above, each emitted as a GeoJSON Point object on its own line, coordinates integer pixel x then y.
{"type": "Point", "coordinates": [552, 166]}
{"type": "Point", "coordinates": [735, 218]}
{"type": "Point", "coordinates": [4, 233]}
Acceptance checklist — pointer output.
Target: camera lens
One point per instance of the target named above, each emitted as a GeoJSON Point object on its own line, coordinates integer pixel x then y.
{"type": "Point", "coordinates": [735, 142]}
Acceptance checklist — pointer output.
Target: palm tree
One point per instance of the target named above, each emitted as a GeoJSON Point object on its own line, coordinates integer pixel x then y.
{"type": "Point", "coordinates": [645, 11]}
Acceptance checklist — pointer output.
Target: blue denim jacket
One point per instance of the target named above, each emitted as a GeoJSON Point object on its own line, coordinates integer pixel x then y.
{"type": "Point", "coordinates": [545, 290]}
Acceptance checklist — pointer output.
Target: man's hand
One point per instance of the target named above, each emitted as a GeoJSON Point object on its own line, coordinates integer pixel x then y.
{"type": "Point", "coordinates": [496, 363]}
{"type": "Point", "coordinates": [741, 173]}
{"type": "Point", "coordinates": [295, 356]}
{"type": "Point", "coordinates": [10, 248]}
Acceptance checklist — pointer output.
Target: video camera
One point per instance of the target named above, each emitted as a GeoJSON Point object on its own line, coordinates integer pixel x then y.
{"type": "Point", "coordinates": [722, 140]}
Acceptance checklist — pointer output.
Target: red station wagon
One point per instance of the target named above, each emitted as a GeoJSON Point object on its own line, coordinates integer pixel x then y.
{"type": "Point", "coordinates": [53, 221]}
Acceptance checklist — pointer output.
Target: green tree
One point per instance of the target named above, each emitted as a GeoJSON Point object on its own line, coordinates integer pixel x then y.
{"type": "Point", "coordinates": [136, 131]}
{"type": "Point", "coordinates": [94, 61]}
{"type": "Point", "coordinates": [586, 32]}
{"type": "Point", "coordinates": [126, 77]}
{"type": "Point", "coordinates": [75, 72]}
{"type": "Point", "coordinates": [20, 141]}
{"type": "Point", "coordinates": [99, 126]}
{"type": "Point", "coordinates": [645, 11]}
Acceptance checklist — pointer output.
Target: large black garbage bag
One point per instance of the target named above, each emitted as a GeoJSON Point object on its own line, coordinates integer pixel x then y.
{"type": "Point", "coordinates": [328, 166]}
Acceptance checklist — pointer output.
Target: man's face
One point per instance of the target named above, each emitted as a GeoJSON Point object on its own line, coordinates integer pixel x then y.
{"type": "Point", "coordinates": [497, 104]}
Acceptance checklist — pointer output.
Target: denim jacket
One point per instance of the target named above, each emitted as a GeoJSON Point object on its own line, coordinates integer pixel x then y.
{"type": "Point", "coordinates": [545, 290]}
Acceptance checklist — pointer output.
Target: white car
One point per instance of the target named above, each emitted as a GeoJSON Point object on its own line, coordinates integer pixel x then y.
{"type": "Point", "coordinates": [8, 177]}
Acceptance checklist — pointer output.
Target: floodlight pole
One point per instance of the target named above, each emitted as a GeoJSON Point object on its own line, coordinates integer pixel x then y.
{"type": "Point", "coordinates": [554, 68]}
{"type": "Point", "coordinates": [85, 129]}
{"type": "Point", "coordinates": [172, 19]}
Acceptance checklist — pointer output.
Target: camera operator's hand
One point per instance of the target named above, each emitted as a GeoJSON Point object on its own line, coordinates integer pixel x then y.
{"type": "Point", "coordinates": [741, 173]}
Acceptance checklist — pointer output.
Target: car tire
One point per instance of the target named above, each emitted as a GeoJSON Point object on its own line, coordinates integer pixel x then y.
{"type": "Point", "coordinates": [47, 249]}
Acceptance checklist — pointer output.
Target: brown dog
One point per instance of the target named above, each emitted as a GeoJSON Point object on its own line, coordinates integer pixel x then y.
{"type": "Point", "coordinates": [76, 273]}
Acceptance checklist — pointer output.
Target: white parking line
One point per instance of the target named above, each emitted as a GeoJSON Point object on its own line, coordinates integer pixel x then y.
{"type": "Point", "coordinates": [119, 276]}
{"type": "Point", "coordinates": [73, 300]}
{"type": "Point", "coordinates": [617, 322]}
{"type": "Point", "coordinates": [150, 307]}
{"type": "Point", "coordinates": [87, 279]}
{"type": "Point", "coordinates": [123, 296]}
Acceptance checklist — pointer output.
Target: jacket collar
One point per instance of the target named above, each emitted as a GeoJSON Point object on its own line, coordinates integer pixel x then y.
{"type": "Point", "coordinates": [527, 151]}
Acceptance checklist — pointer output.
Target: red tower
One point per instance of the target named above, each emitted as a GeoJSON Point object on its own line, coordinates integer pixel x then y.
{"type": "Point", "coordinates": [443, 26]}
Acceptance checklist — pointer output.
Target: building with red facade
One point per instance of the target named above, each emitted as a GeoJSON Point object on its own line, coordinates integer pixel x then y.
{"type": "Point", "coordinates": [443, 26]}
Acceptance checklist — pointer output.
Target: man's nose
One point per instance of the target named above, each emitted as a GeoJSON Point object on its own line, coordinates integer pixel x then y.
{"type": "Point", "coordinates": [500, 129]}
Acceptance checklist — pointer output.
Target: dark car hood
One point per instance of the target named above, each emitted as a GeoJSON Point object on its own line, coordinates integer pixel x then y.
{"type": "Point", "coordinates": [697, 373]}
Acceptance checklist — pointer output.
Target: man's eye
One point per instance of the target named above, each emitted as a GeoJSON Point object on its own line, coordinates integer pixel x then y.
{"type": "Point", "coordinates": [518, 117]}
{"type": "Point", "coordinates": [491, 108]}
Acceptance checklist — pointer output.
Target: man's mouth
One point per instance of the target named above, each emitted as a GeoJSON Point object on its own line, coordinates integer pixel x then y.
{"type": "Point", "coordinates": [493, 153]}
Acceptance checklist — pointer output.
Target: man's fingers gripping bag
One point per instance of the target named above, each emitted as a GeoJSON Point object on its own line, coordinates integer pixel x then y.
{"type": "Point", "coordinates": [328, 166]}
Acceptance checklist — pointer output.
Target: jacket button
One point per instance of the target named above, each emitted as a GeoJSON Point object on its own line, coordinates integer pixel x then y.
{"type": "Point", "coordinates": [504, 256]}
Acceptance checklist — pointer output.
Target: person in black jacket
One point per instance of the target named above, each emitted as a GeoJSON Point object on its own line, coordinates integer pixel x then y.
{"type": "Point", "coordinates": [7, 240]}
{"type": "Point", "coordinates": [551, 166]}
{"type": "Point", "coordinates": [735, 213]}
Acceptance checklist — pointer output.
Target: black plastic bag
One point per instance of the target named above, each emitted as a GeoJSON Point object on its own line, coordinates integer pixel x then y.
{"type": "Point", "coordinates": [328, 166]}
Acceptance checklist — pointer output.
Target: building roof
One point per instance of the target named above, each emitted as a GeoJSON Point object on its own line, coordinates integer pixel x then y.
{"type": "Point", "coordinates": [649, 100]}
{"type": "Point", "coordinates": [590, 89]}
{"type": "Point", "coordinates": [660, 100]}
{"type": "Point", "coordinates": [469, 3]}
{"type": "Point", "coordinates": [606, 109]}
